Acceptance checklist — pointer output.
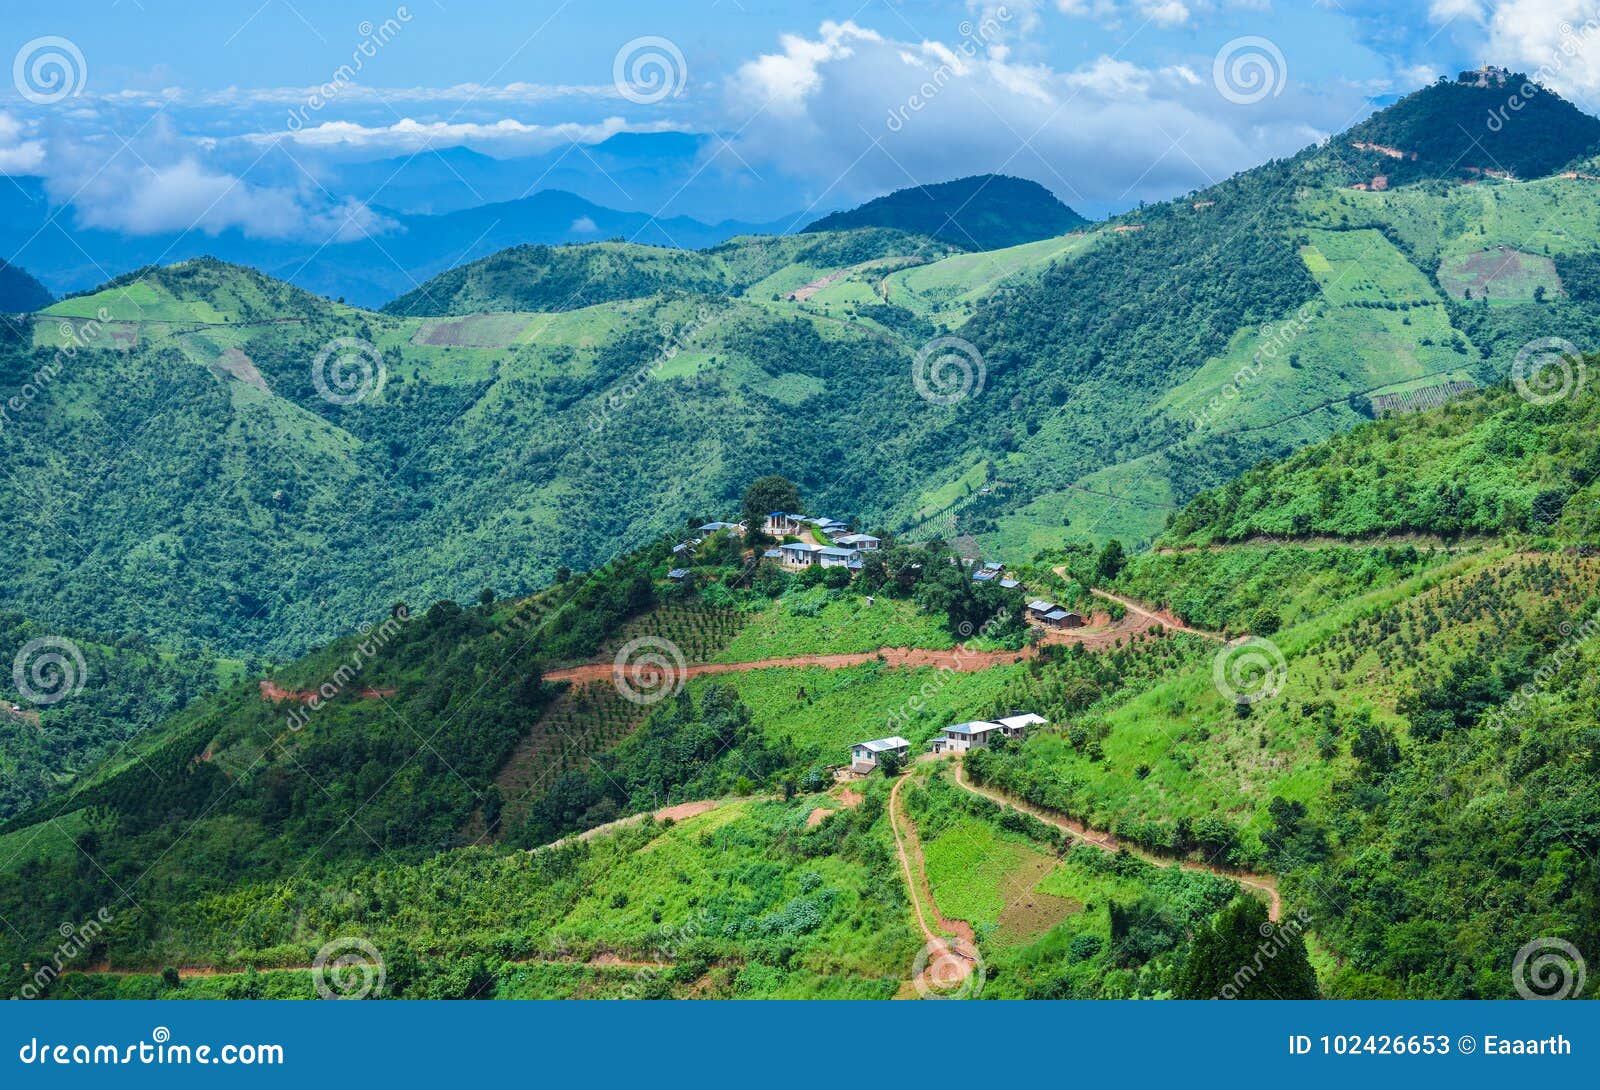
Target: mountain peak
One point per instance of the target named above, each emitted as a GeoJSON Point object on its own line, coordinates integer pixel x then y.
{"type": "Point", "coordinates": [1487, 122]}
{"type": "Point", "coordinates": [983, 212]}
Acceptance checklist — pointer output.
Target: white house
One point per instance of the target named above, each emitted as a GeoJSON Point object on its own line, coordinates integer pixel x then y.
{"type": "Point", "coordinates": [978, 733]}
{"type": "Point", "coordinates": [865, 542]}
{"type": "Point", "coordinates": [964, 736]}
{"type": "Point", "coordinates": [799, 554]}
{"type": "Point", "coordinates": [864, 756]}
{"type": "Point", "coordinates": [780, 523]}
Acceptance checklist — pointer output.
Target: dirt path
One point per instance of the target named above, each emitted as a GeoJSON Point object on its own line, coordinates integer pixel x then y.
{"type": "Point", "coordinates": [273, 693]}
{"type": "Point", "coordinates": [605, 960]}
{"type": "Point", "coordinates": [951, 947]}
{"type": "Point", "coordinates": [959, 660]}
{"type": "Point", "coordinates": [1265, 883]}
{"type": "Point", "coordinates": [677, 812]}
{"type": "Point", "coordinates": [1420, 542]}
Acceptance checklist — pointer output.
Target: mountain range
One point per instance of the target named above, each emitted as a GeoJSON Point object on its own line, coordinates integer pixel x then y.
{"type": "Point", "coordinates": [1307, 461]}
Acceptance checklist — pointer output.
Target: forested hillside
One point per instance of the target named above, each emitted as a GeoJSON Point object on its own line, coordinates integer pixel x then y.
{"type": "Point", "coordinates": [536, 410]}
{"type": "Point", "coordinates": [986, 212]}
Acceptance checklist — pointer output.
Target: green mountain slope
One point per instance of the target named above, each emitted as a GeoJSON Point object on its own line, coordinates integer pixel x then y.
{"type": "Point", "coordinates": [1412, 758]}
{"type": "Point", "coordinates": [1123, 371]}
{"type": "Point", "coordinates": [19, 291]}
{"type": "Point", "coordinates": [984, 212]}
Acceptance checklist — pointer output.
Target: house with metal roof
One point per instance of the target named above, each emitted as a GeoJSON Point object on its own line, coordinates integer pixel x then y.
{"type": "Point", "coordinates": [677, 575]}
{"type": "Point", "coordinates": [978, 733]}
{"type": "Point", "coordinates": [864, 756]}
{"type": "Point", "coordinates": [865, 542]}
{"type": "Point", "coordinates": [831, 556]}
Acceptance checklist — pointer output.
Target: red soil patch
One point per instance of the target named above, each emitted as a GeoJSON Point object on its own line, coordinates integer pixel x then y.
{"type": "Point", "coordinates": [685, 810]}
{"type": "Point", "coordinates": [273, 693]}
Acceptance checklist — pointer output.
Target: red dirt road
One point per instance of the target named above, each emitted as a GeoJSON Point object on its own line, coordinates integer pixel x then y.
{"type": "Point", "coordinates": [952, 947]}
{"type": "Point", "coordinates": [273, 693]}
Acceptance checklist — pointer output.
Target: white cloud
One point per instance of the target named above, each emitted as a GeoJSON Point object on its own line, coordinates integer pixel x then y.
{"type": "Point", "coordinates": [18, 153]}
{"type": "Point", "coordinates": [408, 135]}
{"type": "Point", "coordinates": [1555, 41]}
{"type": "Point", "coordinates": [862, 114]}
{"type": "Point", "coordinates": [166, 188]}
{"type": "Point", "coordinates": [584, 225]}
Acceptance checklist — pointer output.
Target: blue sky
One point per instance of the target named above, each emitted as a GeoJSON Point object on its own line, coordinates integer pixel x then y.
{"type": "Point", "coordinates": [216, 114]}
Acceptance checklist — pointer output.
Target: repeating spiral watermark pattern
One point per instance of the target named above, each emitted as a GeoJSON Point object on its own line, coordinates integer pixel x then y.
{"type": "Point", "coordinates": [649, 69]}
{"type": "Point", "coordinates": [347, 370]}
{"type": "Point", "coordinates": [940, 972]}
{"type": "Point", "coordinates": [1249, 69]}
{"type": "Point", "coordinates": [948, 370]}
{"type": "Point", "coordinates": [161, 1035]}
{"type": "Point", "coordinates": [1249, 670]}
{"type": "Point", "coordinates": [649, 669]}
{"type": "Point", "coordinates": [48, 670]}
{"type": "Point", "coordinates": [1548, 370]}
{"type": "Point", "coordinates": [49, 69]}
{"type": "Point", "coordinates": [1548, 968]}
{"type": "Point", "coordinates": [348, 968]}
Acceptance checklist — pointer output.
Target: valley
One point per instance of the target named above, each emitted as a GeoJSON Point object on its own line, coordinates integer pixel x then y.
{"type": "Point", "coordinates": [1219, 573]}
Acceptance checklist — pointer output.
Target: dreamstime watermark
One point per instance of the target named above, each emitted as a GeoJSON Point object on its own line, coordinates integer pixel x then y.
{"type": "Point", "coordinates": [1274, 340]}
{"type": "Point", "coordinates": [649, 69]}
{"type": "Point", "coordinates": [1249, 670]}
{"type": "Point", "coordinates": [666, 950]}
{"type": "Point", "coordinates": [973, 38]}
{"type": "Point", "coordinates": [348, 968]}
{"type": "Point", "coordinates": [1275, 939]}
{"type": "Point", "coordinates": [899, 719]}
{"type": "Point", "coordinates": [1548, 370]}
{"type": "Point", "coordinates": [157, 1050]}
{"type": "Point", "coordinates": [1249, 69]}
{"type": "Point", "coordinates": [1573, 43]}
{"type": "Point", "coordinates": [374, 639]}
{"type": "Point", "coordinates": [48, 670]}
{"type": "Point", "coordinates": [347, 370]}
{"type": "Point", "coordinates": [74, 941]}
{"type": "Point", "coordinates": [649, 669]}
{"type": "Point", "coordinates": [1548, 968]}
{"type": "Point", "coordinates": [1574, 638]}
{"type": "Point", "coordinates": [674, 339]}
{"type": "Point", "coordinates": [49, 69]}
{"type": "Point", "coordinates": [373, 38]}
{"type": "Point", "coordinates": [73, 337]}
{"type": "Point", "coordinates": [941, 970]}
{"type": "Point", "coordinates": [948, 370]}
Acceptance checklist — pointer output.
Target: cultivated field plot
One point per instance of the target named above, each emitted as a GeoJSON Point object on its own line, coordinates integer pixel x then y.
{"type": "Point", "coordinates": [1500, 276]}
{"type": "Point", "coordinates": [473, 331]}
{"type": "Point", "coordinates": [1426, 396]}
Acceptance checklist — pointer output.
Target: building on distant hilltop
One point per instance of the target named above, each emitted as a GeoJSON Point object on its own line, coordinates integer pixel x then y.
{"type": "Point", "coordinates": [864, 756]}
{"type": "Point", "coordinates": [713, 527]}
{"type": "Point", "coordinates": [1488, 75]}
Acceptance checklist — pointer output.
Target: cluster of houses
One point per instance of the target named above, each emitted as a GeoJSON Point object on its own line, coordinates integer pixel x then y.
{"type": "Point", "coordinates": [685, 549]}
{"type": "Point", "coordinates": [1052, 615]}
{"type": "Point", "coordinates": [844, 552]}
{"type": "Point", "coordinates": [960, 738]}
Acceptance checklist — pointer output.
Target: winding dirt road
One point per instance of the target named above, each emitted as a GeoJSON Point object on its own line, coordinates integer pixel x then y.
{"type": "Point", "coordinates": [950, 946]}
{"type": "Point", "coordinates": [1264, 883]}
